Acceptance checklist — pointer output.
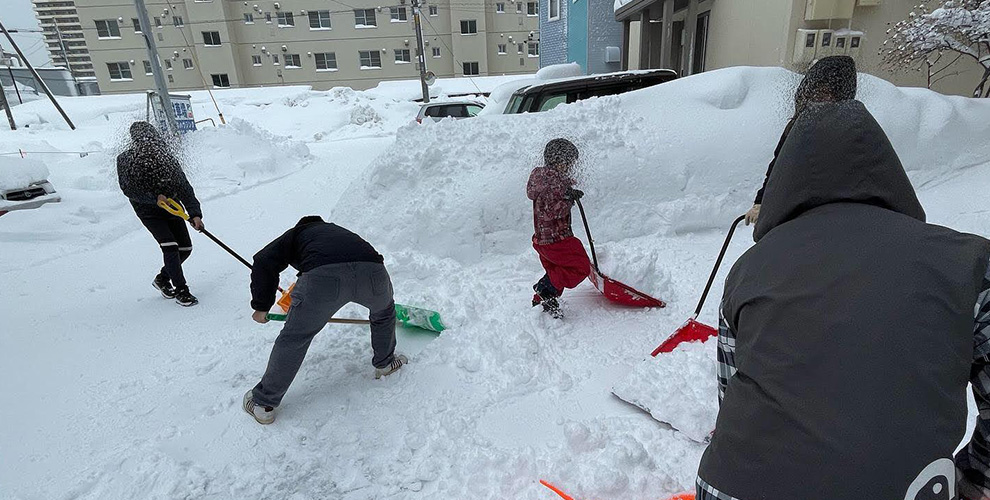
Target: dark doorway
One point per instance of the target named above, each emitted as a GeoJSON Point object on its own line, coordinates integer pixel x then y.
{"type": "Point", "coordinates": [677, 46]}
{"type": "Point", "coordinates": [700, 43]}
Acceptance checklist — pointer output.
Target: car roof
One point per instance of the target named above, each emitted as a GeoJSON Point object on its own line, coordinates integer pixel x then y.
{"type": "Point", "coordinates": [578, 81]}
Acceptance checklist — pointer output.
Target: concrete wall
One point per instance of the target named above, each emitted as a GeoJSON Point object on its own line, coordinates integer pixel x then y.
{"type": "Point", "coordinates": [242, 41]}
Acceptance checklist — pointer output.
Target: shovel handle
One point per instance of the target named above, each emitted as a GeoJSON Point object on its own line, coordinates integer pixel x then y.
{"type": "Point", "coordinates": [587, 230]}
{"type": "Point", "coordinates": [718, 262]}
{"type": "Point", "coordinates": [175, 208]}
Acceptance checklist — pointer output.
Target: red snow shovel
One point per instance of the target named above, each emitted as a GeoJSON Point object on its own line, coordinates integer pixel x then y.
{"type": "Point", "coordinates": [611, 289]}
{"type": "Point", "coordinates": [693, 330]}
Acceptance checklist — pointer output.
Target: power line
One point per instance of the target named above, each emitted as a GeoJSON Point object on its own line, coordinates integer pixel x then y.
{"type": "Point", "coordinates": [454, 57]}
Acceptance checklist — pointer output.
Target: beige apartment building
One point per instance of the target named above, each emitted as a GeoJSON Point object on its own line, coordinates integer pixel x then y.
{"type": "Point", "coordinates": [65, 39]}
{"type": "Point", "coordinates": [692, 36]}
{"type": "Point", "coordinates": [323, 43]}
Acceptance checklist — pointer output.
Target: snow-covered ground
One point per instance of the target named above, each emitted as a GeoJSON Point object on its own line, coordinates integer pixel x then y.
{"type": "Point", "coordinates": [115, 393]}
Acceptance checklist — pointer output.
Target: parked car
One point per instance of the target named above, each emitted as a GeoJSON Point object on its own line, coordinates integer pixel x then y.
{"type": "Point", "coordinates": [24, 185]}
{"type": "Point", "coordinates": [546, 96]}
{"type": "Point", "coordinates": [451, 109]}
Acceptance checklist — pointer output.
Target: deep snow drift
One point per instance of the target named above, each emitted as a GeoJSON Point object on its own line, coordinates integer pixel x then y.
{"type": "Point", "coordinates": [120, 394]}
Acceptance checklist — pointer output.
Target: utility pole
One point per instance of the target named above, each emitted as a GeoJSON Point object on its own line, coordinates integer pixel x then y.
{"type": "Point", "coordinates": [422, 51]}
{"type": "Point", "coordinates": [37, 77]}
{"type": "Point", "coordinates": [13, 82]}
{"type": "Point", "coordinates": [65, 54]}
{"type": "Point", "coordinates": [6, 108]}
{"type": "Point", "coordinates": [156, 67]}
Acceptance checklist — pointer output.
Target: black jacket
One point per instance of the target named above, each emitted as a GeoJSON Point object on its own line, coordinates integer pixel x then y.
{"type": "Point", "coordinates": [144, 176]}
{"type": "Point", "coordinates": [304, 247]}
{"type": "Point", "coordinates": [853, 323]}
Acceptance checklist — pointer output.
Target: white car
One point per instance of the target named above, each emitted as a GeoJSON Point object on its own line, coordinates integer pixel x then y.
{"type": "Point", "coordinates": [451, 109]}
{"type": "Point", "coordinates": [24, 185]}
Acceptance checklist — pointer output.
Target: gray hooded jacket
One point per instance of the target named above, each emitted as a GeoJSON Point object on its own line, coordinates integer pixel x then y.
{"type": "Point", "coordinates": [853, 321]}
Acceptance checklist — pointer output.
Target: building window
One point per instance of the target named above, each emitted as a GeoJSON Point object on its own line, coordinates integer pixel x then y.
{"type": "Point", "coordinates": [168, 64]}
{"type": "Point", "coordinates": [221, 80]}
{"type": "Point", "coordinates": [402, 56]}
{"type": "Point", "coordinates": [107, 28]}
{"type": "Point", "coordinates": [533, 8]}
{"type": "Point", "coordinates": [534, 49]}
{"type": "Point", "coordinates": [249, 18]}
{"type": "Point", "coordinates": [255, 60]}
{"type": "Point", "coordinates": [161, 37]}
{"type": "Point", "coordinates": [177, 21]}
{"type": "Point", "coordinates": [471, 68]}
{"type": "Point", "coordinates": [500, 8]}
{"type": "Point", "coordinates": [501, 49]}
{"type": "Point", "coordinates": [211, 38]}
{"type": "Point", "coordinates": [519, 8]}
{"type": "Point", "coordinates": [554, 13]}
{"type": "Point", "coordinates": [158, 22]}
{"type": "Point", "coordinates": [275, 59]}
{"type": "Point", "coordinates": [268, 17]}
{"type": "Point", "coordinates": [398, 14]}
{"type": "Point", "coordinates": [520, 48]}
{"type": "Point", "coordinates": [187, 63]}
{"type": "Point", "coordinates": [147, 68]}
{"type": "Point", "coordinates": [319, 20]}
{"type": "Point", "coordinates": [119, 71]}
{"type": "Point", "coordinates": [326, 61]}
{"type": "Point", "coordinates": [436, 52]}
{"type": "Point", "coordinates": [137, 24]}
{"type": "Point", "coordinates": [170, 79]}
{"type": "Point", "coordinates": [434, 11]}
{"type": "Point", "coordinates": [292, 61]}
{"type": "Point", "coordinates": [365, 18]}
{"type": "Point", "coordinates": [286, 20]}
{"type": "Point", "coordinates": [469, 27]}
{"type": "Point", "coordinates": [370, 59]}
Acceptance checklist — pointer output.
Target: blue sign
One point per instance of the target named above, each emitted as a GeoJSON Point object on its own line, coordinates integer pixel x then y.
{"type": "Point", "coordinates": [181, 109]}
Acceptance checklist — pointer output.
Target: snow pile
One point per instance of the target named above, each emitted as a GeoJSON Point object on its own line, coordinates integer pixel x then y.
{"type": "Point", "coordinates": [17, 172]}
{"type": "Point", "coordinates": [676, 388]}
{"type": "Point", "coordinates": [237, 156]}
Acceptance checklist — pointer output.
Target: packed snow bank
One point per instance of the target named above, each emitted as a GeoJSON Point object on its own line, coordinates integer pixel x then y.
{"type": "Point", "coordinates": [17, 172]}
{"type": "Point", "coordinates": [682, 156]}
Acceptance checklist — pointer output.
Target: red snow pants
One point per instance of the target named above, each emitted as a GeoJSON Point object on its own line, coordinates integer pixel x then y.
{"type": "Point", "coordinates": [565, 262]}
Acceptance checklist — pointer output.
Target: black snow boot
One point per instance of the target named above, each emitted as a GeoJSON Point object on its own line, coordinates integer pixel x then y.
{"type": "Point", "coordinates": [184, 298]}
{"type": "Point", "coordinates": [164, 285]}
{"type": "Point", "coordinates": [552, 307]}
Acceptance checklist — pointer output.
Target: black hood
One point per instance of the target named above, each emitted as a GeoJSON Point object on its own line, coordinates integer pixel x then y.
{"type": "Point", "coordinates": [835, 153]}
{"type": "Point", "coordinates": [831, 79]}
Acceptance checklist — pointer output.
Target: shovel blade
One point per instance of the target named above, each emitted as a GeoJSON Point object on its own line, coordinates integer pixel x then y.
{"type": "Point", "coordinates": [692, 331]}
{"type": "Point", "coordinates": [620, 293]}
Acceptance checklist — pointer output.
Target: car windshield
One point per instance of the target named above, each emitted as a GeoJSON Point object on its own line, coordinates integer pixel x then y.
{"type": "Point", "coordinates": [514, 104]}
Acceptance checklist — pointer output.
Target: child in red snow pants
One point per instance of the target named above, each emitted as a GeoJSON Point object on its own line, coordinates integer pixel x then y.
{"type": "Point", "coordinates": [563, 257]}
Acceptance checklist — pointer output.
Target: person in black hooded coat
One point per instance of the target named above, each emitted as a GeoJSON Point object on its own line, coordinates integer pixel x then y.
{"type": "Point", "coordinates": [831, 79]}
{"type": "Point", "coordinates": [149, 173]}
{"type": "Point", "coordinates": [847, 334]}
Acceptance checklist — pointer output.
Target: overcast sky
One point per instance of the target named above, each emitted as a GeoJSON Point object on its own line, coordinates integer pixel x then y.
{"type": "Point", "coordinates": [17, 14]}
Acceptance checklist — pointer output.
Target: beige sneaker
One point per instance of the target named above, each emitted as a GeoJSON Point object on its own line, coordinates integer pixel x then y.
{"type": "Point", "coordinates": [397, 361]}
{"type": "Point", "coordinates": [263, 414]}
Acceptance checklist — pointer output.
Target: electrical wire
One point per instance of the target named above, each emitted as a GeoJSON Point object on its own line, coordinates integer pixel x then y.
{"type": "Point", "coordinates": [444, 42]}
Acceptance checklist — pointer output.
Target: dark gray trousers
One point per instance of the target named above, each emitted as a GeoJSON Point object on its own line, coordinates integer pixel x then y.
{"type": "Point", "coordinates": [317, 296]}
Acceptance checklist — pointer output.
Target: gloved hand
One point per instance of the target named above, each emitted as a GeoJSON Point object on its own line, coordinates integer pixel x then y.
{"type": "Point", "coordinates": [573, 194]}
{"type": "Point", "coordinates": [753, 215]}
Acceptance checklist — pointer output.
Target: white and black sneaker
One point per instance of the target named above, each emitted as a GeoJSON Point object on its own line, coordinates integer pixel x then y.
{"type": "Point", "coordinates": [264, 415]}
{"type": "Point", "coordinates": [184, 298]}
{"type": "Point", "coordinates": [397, 361]}
{"type": "Point", "coordinates": [164, 285]}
